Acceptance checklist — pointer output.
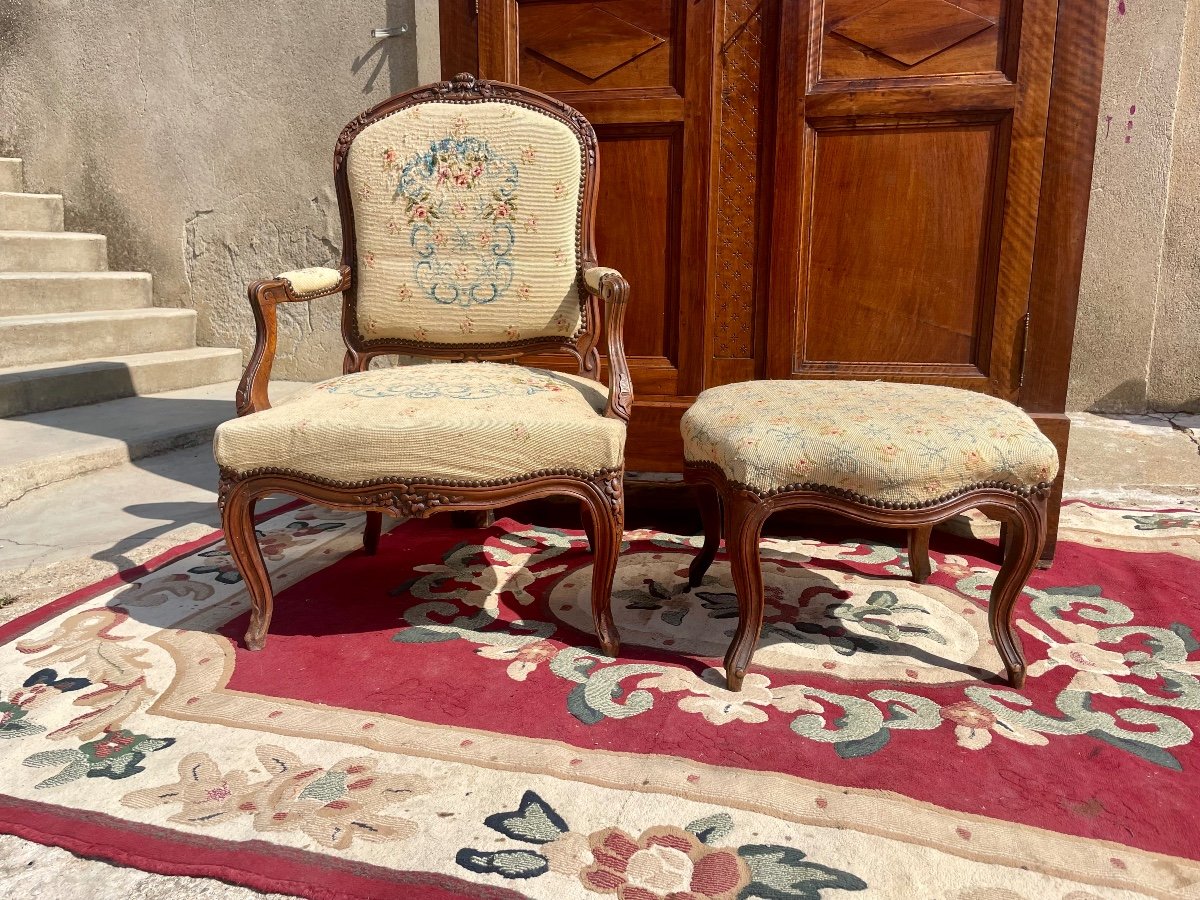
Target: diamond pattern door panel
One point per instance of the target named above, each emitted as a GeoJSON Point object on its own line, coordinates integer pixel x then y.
{"type": "Point", "coordinates": [593, 43]}
{"type": "Point", "coordinates": [911, 38]}
{"type": "Point", "coordinates": [910, 31]}
{"type": "Point", "coordinates": [602, 44]}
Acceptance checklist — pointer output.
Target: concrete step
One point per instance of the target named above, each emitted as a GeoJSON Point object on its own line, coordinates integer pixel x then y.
{"type": "Point", "coordinates": [30, 212]}
{"type": "Point", "coordinates": [28, 293]}
{"type": "Point", "coordinates": [30, 340]}
{"type": "Point", "coordinates": [39, 388]}
{"type": "Point", "coordinates": [11, 174]}
{"type": "Point", "coordinates": [51, 447]}
{"type": "Point", "coordinates": [45, 251]}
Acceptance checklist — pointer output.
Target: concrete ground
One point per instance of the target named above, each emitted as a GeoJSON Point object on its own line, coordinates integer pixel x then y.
{"type": "Point", "coordinates": [67, 535]}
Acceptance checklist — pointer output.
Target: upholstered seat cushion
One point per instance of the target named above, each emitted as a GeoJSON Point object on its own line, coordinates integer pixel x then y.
{"type": "Point", "coordinates": [438, 422]}
{"type": "Point", "coordinates": [895, 443]}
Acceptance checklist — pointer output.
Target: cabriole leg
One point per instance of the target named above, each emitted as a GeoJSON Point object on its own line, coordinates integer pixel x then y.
{"type": "Point", "coordinates": [608, 529]}
{"type": "Point", "coordinates": [1025, 535]}
{"type": "Point", "coordinates": [237, 519]}
{"type": "Point", "coordinates": [746, 518]}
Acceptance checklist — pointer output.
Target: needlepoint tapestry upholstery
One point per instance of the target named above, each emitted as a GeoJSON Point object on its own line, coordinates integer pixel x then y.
{"type": "Point", "coordinates": [901, 443]}
{"type": "Point", "coordinates": [466, 222]}
{"type": "Point", "coordinates": [439, 421]}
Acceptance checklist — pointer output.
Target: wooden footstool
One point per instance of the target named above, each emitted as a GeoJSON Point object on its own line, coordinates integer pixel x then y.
{"type": "Point", "coordinates": [900, 455]}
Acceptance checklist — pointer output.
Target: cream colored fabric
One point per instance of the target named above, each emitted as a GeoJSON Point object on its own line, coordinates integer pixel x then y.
{"type": "Point", "coordinates": [313, 280]}
{"type": "Point", "coordinates": [902, 443]}
{"type": "Point", "coordinates": [441, 421]}
{"type": "Point", "coordinates": [592, 276]}
{"type": "Point", "coordinates": [466, 219]}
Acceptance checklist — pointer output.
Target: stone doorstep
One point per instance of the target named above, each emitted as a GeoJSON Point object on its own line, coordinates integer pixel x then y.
{"type": "Point", "coordinates": [64, 292]}
{"type": "Point", "coordinates": [56, 337]}
{"type": "Point", "coordinates": [52, 447]}
{"type": "Point", "coordinates": [12, 176]}
{"type": "Point", "coordinates": [39, 388]}
{"type": "Point", "coordinates": [44, 251]}
{"type": "Point", "coordinates": [30, 212]}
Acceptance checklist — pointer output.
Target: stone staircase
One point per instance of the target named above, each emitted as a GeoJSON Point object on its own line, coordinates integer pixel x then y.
{"type": "Point", "coordinates": [91, 373]}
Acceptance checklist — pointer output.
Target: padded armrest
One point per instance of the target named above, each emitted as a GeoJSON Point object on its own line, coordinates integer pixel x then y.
{"type": "Point", "coordinates": [315, 281]}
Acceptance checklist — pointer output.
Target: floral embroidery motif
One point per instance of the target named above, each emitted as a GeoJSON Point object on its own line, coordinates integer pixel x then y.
{"type": "Point", "coordinates": [664, 862]}
{"type": "Point", "coordinates": [1114, 662]}
{"type": "Point", "coordinates": [460, 197]}
{"type": "Point", "coordinates": [892, 442]}
{"type": "Point", "coordinates": [503, 381]}
{"type": "Point", "coordinates": [333, 806]}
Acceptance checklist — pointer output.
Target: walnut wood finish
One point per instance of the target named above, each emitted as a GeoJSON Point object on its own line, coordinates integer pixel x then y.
{"type": "Point", "coordinates": [745, 511]}
{"type": "Point", "coordinates": [601, 493]}
{"type": "Point", "coordinates": [890, 189]}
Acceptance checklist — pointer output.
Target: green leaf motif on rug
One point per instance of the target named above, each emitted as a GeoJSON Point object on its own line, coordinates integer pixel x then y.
{"type": "Point", "coordinates": [783, 873]}
{"type": "Point", "coordinates": [13, 724]}
{"type": "Point", "coordinates": [116, 754]}
{"type": "Point", "coordinates": [660, 861]}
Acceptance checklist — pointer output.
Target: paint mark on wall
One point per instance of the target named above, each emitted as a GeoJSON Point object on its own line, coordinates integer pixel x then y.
{"type": "Point", "coordinates": [1121, 8]}
{"type": "Point", "coordinates": [1129, 125]}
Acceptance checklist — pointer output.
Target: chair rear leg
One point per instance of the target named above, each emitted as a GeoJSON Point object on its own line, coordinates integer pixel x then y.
{"type": "Point", "coordinates": [371, 532]}
{"type": "Point", "coordinates": [918, 553]}
{"type": "Point", "coordinates": [608, 529]}
{"type": "Point", "coordinates": [709, 500]}
{"type": "Point", "coordinates": [237, 519]}
{"type": "Point", "coordinates": [589, 530]}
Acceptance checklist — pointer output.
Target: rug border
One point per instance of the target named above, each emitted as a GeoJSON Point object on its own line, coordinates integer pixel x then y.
{"type": "Point", "coordinates": [257, 865]}
{"type": "Point", "coordinates": [35, 617]}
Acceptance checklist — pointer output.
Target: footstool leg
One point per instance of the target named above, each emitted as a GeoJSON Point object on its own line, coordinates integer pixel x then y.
{"type": "Point", "coordinates": [709, 500]}
{"type": "Point", "coordinates": [1025, 535]}
{"type": "Point", "coordinates": [371, 533]}
{"type": "Point", "coordinates": [918, 553]}
{"type": "Point", "coordinates": [746, 519]}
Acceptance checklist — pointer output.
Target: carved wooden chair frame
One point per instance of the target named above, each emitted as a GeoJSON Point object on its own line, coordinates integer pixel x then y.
{"type": "Point", "coordinates": [741, 512]}
{"type": "Point", "coordinates": [601, 493]}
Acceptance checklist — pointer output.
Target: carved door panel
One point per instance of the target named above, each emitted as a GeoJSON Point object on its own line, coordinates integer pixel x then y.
{"type": "Point", "coordinates": [640, 70]}
{"type": "Point", "coordinates": [910, 137]}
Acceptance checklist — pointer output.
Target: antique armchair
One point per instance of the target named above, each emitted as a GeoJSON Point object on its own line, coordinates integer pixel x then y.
{"type": "Point", "coordinates": [467, 237]}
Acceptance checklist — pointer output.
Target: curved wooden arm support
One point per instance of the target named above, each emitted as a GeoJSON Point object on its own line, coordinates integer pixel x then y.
{"type": "Point", "coordinates": [611, 287]}
{"type": "Point", "coordinates": [264, 296]}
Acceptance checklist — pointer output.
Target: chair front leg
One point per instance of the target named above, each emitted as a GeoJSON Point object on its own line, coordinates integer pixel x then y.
{"type": "Point", "coordinates": [1024, 537]}
{"type": "Point", "coordinates": [237, 519]}
{"type": "Point", "coordinates": [607, 514]}
{"type": "Point", "coordinates": [746, 517]}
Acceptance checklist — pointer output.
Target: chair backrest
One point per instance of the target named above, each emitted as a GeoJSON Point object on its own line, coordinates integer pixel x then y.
{"type": "Point", "coordinates": [466, 211]}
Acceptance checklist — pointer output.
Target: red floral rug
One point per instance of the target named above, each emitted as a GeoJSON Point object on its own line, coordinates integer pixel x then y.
{"type": "Point", "coordinates": [436, 721]}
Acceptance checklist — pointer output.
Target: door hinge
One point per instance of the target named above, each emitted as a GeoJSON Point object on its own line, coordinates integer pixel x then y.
{"type": "Point", "coordinates": [1024, 350]}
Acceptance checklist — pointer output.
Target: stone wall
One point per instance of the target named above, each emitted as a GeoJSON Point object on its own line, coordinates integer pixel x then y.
{"type": "Point", "coordinates": [1137, 337]}
{"type": "Point", "coordinates": [199, 137]}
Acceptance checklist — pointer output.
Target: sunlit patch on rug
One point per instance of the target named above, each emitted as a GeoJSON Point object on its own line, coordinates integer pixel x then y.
{"type": "Point", "coordinates": [437, 721]}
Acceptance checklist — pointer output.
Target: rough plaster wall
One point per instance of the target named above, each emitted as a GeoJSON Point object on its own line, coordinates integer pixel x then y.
{"type": "Point", "coordinates": [1174, 376]}
{"type": "Point", "coordinates": [1123, 254]}
{"type": "Point", "coordinates": [198, 136]}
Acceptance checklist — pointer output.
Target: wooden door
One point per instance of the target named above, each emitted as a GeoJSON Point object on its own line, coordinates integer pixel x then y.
{"type": "Point", "coordinates": [641, 71]}
{"type": "Point", "coordinates": [909, 145]}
